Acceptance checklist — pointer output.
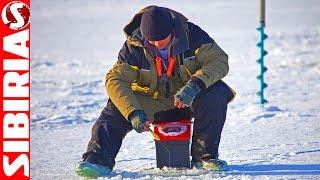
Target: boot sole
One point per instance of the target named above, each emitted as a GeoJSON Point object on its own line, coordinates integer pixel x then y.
{"type": "Point", "coordinates": [89, 170]}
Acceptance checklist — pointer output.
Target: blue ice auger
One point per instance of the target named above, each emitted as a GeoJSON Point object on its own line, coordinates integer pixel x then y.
{"type": "Point", "coordinates": [263, 53]}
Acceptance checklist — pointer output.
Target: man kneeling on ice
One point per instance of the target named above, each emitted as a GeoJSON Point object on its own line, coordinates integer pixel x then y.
{"type": "Point", "coordinates": [166, 62]}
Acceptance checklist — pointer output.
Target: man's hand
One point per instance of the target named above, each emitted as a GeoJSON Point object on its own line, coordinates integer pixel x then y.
{"type": "Point", "coordinates": [179, 104]}
{"type": "Point", "coordinates": [185, 96]}
{"type": "Point", "coordinates": [139, 121]}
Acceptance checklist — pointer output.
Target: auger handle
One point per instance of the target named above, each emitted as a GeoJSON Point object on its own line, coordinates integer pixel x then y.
{"type": "Point", "coordinates": [262, 12]}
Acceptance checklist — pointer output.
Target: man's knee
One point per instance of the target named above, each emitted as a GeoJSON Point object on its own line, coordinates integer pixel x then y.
{"type": "Point", "coordinates": [211, 106]}
{"type": "Point", "coordinates": [218, 94]}
{"type": "Point", "coordinates": [220, 90]}
{"type": "Point", "coordinates": [112, 120]}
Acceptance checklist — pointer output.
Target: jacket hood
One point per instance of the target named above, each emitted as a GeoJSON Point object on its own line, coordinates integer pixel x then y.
{"type": "Point", "coordinates": [133, 33]}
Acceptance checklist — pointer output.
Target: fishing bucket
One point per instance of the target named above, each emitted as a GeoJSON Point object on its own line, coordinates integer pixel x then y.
{"type": "Point", "coordinates": [173, 146]}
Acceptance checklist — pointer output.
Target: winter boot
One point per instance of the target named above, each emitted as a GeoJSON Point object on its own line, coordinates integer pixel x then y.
{"type": "Point", "coordinates": [89, 167]}
{"type": "Point", "coordinates": [211, 165]}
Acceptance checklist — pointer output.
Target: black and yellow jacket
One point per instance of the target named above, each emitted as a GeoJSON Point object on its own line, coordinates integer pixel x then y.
{"type": "Point", "coordinates": [135, 71]}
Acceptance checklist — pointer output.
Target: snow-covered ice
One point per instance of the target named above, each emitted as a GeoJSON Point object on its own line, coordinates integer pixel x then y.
{"type": "Point", "coordinates": [75, 42]}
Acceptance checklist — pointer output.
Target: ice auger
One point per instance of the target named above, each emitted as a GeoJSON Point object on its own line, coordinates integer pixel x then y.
{"type": "Point", "coordinates": [263, 53]}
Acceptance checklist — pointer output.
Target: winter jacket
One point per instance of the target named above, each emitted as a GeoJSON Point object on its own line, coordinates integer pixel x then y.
{"type": "Point", "coordinates": [135, 71]}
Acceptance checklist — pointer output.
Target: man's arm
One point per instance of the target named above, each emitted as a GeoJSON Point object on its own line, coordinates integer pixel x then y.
{"type": "Point", "coordinates": [213, 60]}
{"type": "Point", "coordinates": [119, 79]}
{"type": "Point", "coordinates": [214, 66]}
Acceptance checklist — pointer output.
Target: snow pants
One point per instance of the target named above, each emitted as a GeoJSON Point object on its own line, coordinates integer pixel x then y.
{"type": "Point", "coordinates": [210, 108]}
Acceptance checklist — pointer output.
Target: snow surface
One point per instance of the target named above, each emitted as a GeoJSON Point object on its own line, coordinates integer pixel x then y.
{"type": "Point", "coordinates": [75, 42]}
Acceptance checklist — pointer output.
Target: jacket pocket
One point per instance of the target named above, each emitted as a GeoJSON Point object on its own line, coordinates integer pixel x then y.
{"type": "Point", "coordinates": [144, 77]}
{"type": "Point", "coordinates": [144, 90]}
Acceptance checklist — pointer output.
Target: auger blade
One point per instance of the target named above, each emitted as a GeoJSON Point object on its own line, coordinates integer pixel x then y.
{"type": "Point", "coordinates": [264, 53]}
{"type": "Point", "coordinates": [259, 77]}
{"type": "Point", "coordinates": [264, 69]}
{"type": "Point", "coordinates": [264, 85]}
{"type": "Point", "coordinates": [264, 36]}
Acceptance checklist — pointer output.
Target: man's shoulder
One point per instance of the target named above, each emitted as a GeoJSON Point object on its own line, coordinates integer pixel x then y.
{"type": "Point", "coordinates": [130, 53]}
{"type": "Point", "coordinates": [197, 35]}
{"type": "Point", "coordinates": [195, 30]}
{"type": "Point", "coordinates": [130, 47]}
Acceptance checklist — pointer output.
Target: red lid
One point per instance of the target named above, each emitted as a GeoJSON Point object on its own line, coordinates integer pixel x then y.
{"type": "Point", "coordinates": [174, 131]}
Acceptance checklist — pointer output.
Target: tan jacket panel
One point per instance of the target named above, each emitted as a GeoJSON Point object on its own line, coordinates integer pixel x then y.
{"type": "Point", "coordinates": [118, 85]}
{"type": "Point", "coordinates": [214, 63]}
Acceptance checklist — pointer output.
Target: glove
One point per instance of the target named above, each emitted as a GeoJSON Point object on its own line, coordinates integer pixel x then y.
{"type": "Point", "coordinates": [137, 119]}
{"type": "Point", "coordinates": [188, 92]}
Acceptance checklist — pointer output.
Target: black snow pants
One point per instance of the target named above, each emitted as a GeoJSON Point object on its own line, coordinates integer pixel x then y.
{"type": "Point", "coordinates": [210, 108]}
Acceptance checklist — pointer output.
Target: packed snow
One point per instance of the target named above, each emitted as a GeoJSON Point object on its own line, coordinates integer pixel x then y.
{"type": "Point", "coordinates": [74, 43]}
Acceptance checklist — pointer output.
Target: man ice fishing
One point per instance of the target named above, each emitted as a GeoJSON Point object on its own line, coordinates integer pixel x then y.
{"type": "Point", "coordinates": [166, 63]}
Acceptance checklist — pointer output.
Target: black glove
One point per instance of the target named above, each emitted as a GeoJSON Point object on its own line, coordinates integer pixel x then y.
{"type": "Point", "coordinates": [137, 119]}
{"type": "Point", "coordinates": [188, 92]}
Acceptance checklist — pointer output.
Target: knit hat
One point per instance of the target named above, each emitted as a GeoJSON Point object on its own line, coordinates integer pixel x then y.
{"type": "Point", "coordinates": [156, 24]}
